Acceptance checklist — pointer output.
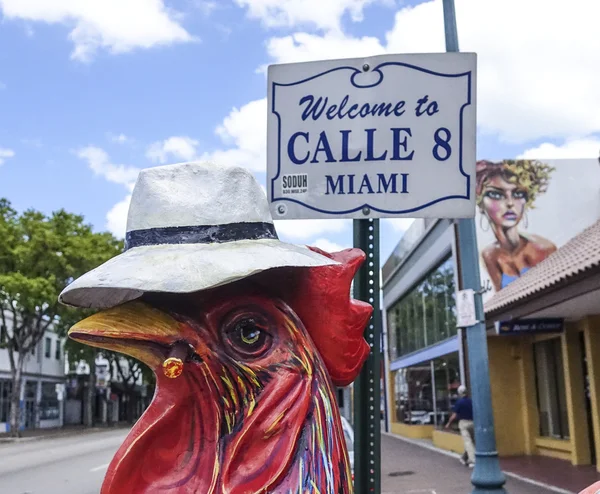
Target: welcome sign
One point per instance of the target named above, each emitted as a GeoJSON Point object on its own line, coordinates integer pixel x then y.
{"type": "Point", "coordinates": [386, 136]}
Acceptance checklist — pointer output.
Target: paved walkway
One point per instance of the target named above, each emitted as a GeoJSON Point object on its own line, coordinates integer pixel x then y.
{"type": "Point", "coordinates": [55, 432]}
{"type": "Point", "coordinates": [411, 469]}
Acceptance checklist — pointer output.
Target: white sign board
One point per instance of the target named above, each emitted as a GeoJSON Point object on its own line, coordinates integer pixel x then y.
{"type": "Point", "coordinates": [465, 309]}
{"type": "Point", "coordinates": [386, 136]}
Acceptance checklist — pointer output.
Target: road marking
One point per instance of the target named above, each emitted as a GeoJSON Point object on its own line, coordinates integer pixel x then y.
{"type": "Point", "coordinates": [101, 467]}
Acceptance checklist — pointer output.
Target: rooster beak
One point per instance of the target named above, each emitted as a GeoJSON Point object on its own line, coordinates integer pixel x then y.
{"type": "Point", "coordinates": [136, 329]}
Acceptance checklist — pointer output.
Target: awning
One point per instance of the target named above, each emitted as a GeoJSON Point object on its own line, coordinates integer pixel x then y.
{"type": "Point", "coordinates": [426, 354]}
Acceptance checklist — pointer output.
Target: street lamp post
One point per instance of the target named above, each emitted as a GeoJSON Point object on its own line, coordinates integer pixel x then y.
{"type": "Point", "coordinates": [487, 476]}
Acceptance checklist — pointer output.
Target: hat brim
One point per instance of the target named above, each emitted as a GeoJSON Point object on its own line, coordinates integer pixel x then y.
{"type": "Point", "coordinates": [182, 268]}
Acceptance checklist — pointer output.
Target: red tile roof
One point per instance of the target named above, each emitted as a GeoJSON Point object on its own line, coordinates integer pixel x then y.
{"type": "Point", "coordinates": [580, 254]}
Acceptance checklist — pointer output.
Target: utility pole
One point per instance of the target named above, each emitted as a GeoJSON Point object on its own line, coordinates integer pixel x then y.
{"type": "Point", "coordinates": [487, 475]}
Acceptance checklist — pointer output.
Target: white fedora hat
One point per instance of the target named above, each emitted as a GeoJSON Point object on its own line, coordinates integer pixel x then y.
{"type": "Point", "coordinates": [190, 227]}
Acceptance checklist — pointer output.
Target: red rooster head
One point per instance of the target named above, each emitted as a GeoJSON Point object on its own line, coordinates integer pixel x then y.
{"type": "Point", "coordinates": [253, 410]}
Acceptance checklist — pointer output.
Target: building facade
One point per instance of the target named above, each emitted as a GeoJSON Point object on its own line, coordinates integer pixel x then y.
{"type": "Point", "coordinates": [423, 345]}
{"type": "Point", "coordinates": [42, 385]}
{"type": "Point", "coordinates": [120, 394]}
{"type": "Point", "coordinates": [539, 242]}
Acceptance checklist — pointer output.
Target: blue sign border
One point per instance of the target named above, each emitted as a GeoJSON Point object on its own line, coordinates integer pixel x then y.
{"type": "Point", "coordinates": [381, 76]}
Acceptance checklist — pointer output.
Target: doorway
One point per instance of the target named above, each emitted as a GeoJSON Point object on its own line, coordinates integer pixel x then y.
{"type": "Point", "coordinates": [588, 400]}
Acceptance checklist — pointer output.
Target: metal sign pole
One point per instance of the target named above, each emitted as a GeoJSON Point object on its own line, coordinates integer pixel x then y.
{"type": "Point", "coordinates": [487, 476]}
{"type": "Point", "coordinates": [367, 416]}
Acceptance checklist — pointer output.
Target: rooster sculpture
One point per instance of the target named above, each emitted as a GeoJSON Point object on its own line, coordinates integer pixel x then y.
{"type": "Point", "coordinates": [592, 489]}
{"type": "Point", "coordinates": [246, 346]}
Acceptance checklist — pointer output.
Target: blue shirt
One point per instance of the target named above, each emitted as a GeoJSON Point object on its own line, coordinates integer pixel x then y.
{"type": "Point", "coordinates": [463, 409]}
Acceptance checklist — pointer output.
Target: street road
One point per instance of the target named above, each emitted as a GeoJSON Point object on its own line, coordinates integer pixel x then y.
{"type": "Point", "coordinates": [76, 464]}
{"type": "Point", "coordinates": [62, 465]}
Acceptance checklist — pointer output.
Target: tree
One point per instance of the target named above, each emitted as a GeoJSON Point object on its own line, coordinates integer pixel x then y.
{"type": "Point", "coordinates": [39, 256]}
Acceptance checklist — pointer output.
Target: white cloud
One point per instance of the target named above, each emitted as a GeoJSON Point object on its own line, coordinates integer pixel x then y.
{"type": "Point", "coordinates": [305, 47]}
{"type": "Point", "coordinates": [571, 149]}
{"type": "Point", "coordinates": [399, 225]}
{"type": "Point", "coordinates": [321, 14]}
{"type": "Point", "coordinates": [531, 82]}
{"type": "Point", "coordinates": [244, 130]}
{"type": "Point", "coordinates": [117, 26]}
{"type": "Point", "coordinates": [293, 230]}
{"type": "Point", "coordinates": [4, 154]}
{"type": "Point", "coordinates": [328, 245]}
{"type": "Point", "coordinates": [116, 218]}
{"type": "Point", "coordinates": [176, 147]}
{"type": "Point", "coordinates": [207, 7]}
{"type": "Point", "coordinates": [119, 138]}
{"type": "Point", "coordinates": [100, 164]}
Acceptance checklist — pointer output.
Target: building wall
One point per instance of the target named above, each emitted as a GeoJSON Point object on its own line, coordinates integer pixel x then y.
{"type": "Point", "coordinates": [591, 328]}
{"type": "Point", "coordinates": [515, 401]}
{"type": "Point", "coordinates": [39, 368]}
{"type": "Point", "coordinates": [505, 356]}
{"type": "Point", "coordinates": [514, 394]}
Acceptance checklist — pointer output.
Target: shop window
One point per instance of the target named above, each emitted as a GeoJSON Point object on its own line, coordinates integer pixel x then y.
{"type": "Point", "coordinates": [447, 381]}
{"type": "Point", "coordinates": [49, 405]}
{"type": "Point", "coordinates": [413, 403]}
{"type": "Point", "coordinates": [5, 390]}
{"type": "Point", "coordinates": [424, 316]}
{"type": "Point", "coordinates": [550, 383]}
{"type": "Point", "coordinates": [425, 393]}
{"type": "Point", "coordinates": [48, 347]}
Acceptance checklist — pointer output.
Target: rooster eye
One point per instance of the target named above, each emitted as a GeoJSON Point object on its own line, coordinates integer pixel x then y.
{"type": "Point", "coordinates": [248, 337]}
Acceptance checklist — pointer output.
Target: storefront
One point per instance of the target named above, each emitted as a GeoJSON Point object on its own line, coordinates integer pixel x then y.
{"type": "Point", "coordinates": [426, 365]}
{"type": "Point", "coordinates": [545, 385]}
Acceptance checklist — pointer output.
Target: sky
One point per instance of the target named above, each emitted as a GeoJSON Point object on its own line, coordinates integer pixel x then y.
{"type": "Point", "coordinates": [92, 91]}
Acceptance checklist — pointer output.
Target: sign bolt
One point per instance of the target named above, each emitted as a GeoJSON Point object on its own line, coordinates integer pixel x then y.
{"type": "Point", "coordinates": [366, 67]}
{"type": "Point", "coordinates": [281, 209]}
{"type": "Point", "coordinates": [366, 211]}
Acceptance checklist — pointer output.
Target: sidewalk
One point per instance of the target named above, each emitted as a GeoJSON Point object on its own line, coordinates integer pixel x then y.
{"type": "Point", "coordinates": [408, 468]}
{"type": "Point", "coordinates": [70, 430]}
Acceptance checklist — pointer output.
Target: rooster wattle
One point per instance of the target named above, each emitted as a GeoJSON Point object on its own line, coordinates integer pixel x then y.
{"type": "Point", "coordinates": [254, 409]}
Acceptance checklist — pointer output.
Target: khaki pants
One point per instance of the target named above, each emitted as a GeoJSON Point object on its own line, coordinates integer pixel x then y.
{"type": "Point", "coordinates": [467, 432]}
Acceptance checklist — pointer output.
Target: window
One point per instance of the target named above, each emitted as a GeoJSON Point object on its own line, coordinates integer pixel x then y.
{"type": "Point", "coordinates": [447, 381]}
{"type": "Point", "coordinates": [49, 405]}
{"type": "Point", "coordinates": [57, 352]}
{"type": "Point", "coordinates": [426, 315]}
{"type": "Point", "coordinates": [413, 395]}
{"type": "Point", "coordinates": [5, 389]}
{"type": "Point", "coordinates": [426, 392]}
{"type": "Point", "coordinates": [48, 347]}
{"type": "Point", "coordinates": [550, 383]}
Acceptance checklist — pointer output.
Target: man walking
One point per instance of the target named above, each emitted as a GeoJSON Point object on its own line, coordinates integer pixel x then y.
{"type": "Point", "coordinates": [463, 411]}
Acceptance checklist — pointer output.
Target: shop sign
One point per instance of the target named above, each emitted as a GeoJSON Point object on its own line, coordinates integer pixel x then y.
{"type": "Point", "coordinates": [386, 136]}
{"type": "Point", "coordinates": [544, 325]}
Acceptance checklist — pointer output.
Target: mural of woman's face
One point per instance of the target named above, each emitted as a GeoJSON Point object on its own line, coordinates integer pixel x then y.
{"type": "Point", "coordinates": [503, 202]}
